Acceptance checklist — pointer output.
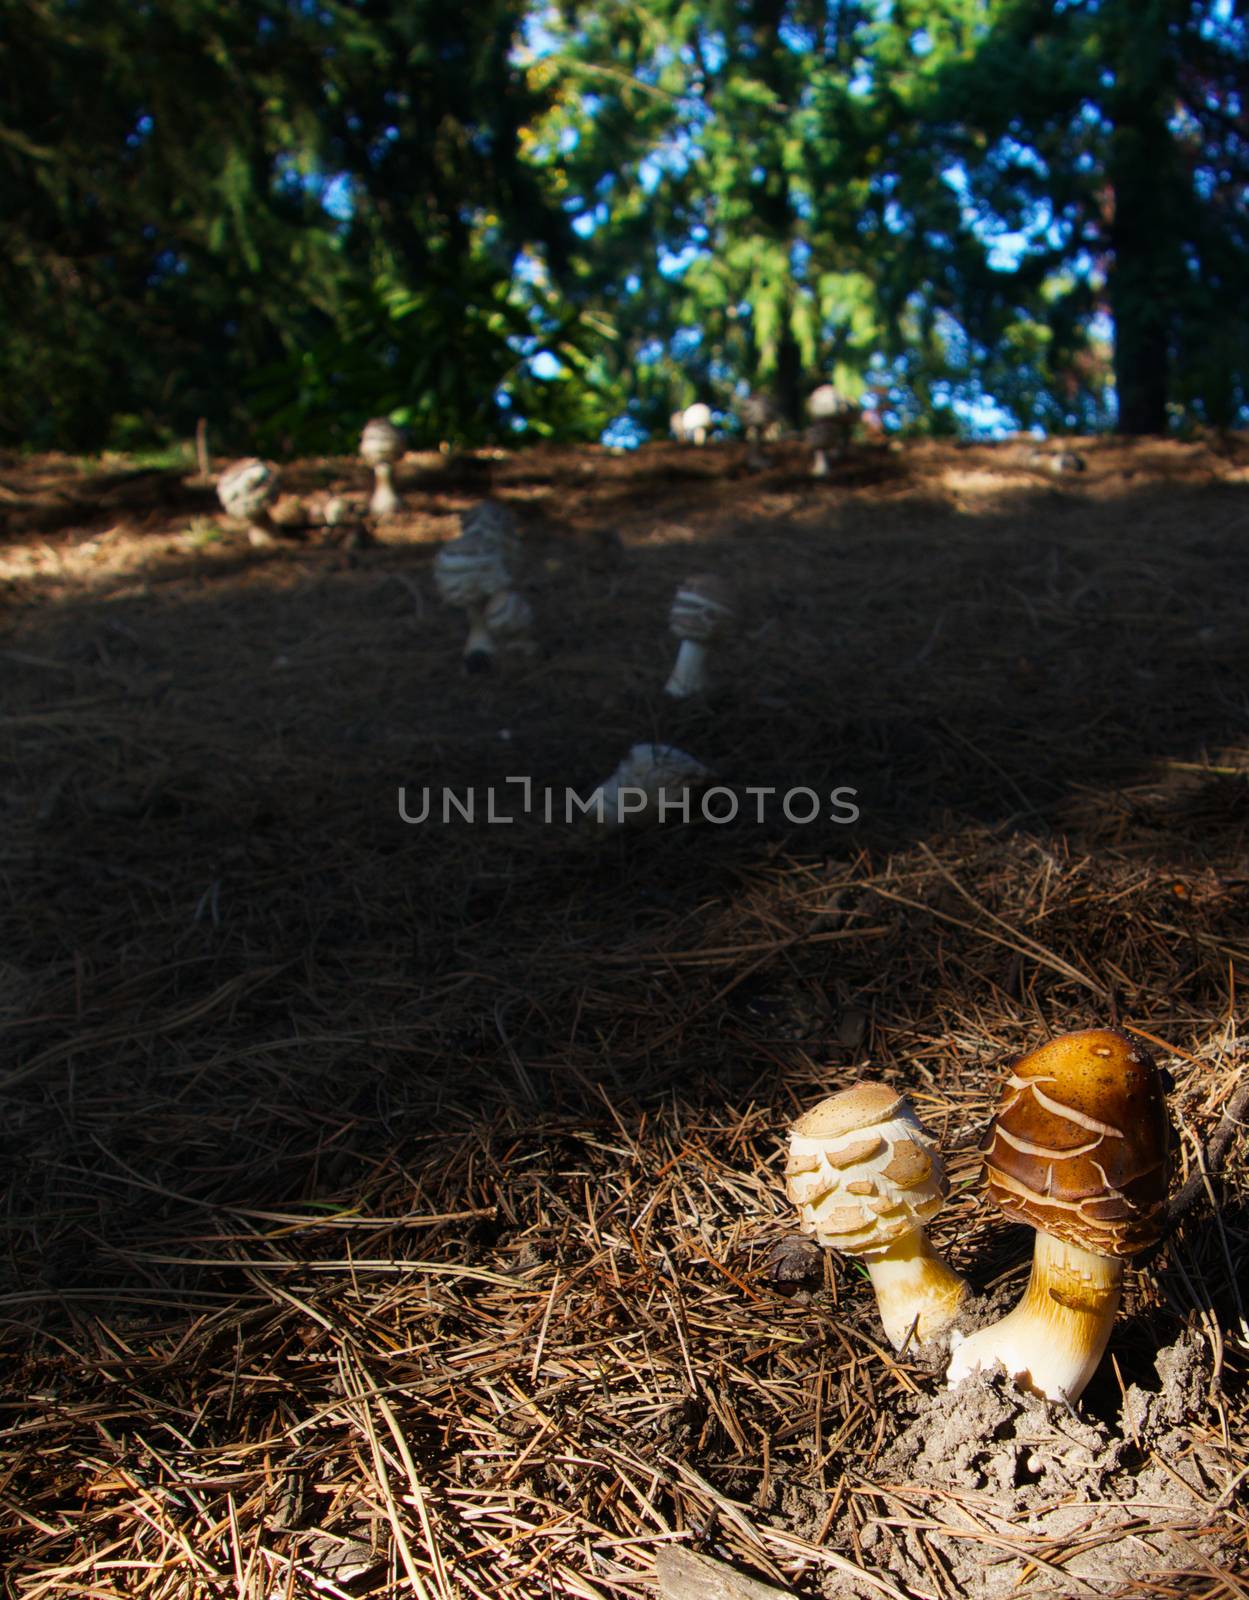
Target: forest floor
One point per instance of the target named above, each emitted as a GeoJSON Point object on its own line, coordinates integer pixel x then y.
{"type": "Point", "coordinates": [393, 1207]}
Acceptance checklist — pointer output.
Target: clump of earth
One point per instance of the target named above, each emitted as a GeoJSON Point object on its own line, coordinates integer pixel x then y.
{"type": "Point", "coordinates": [993, 1489]}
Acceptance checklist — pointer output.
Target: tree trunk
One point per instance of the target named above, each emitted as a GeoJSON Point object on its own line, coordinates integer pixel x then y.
{"type": "Point", "coordinates": [1145, 270]}
{"type": "Point", "coordinates": [1141, 279]}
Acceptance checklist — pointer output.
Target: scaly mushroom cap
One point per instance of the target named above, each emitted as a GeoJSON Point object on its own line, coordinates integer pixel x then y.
{"type": "Point", "coordinates": [1078, 1147]}
{"type": "Point", "coordinates": [470, 569]}
{"type": "Point", "coordinates": [660, 772]}
{"type": "Point", "coordinates": [381, 441]}
{"type": "Point", "coordinates": [862, 1170]}
{"type": "Point", "coordinates": [509, 615]}
{"type": "Point", "coordinates": [702, 608]}
{"type": "Point", "coordinates": [247, 487]}
{"type": "Point", "coordinates": [757, 411]}
{"type": "Point", "coordinates": [828, 401]}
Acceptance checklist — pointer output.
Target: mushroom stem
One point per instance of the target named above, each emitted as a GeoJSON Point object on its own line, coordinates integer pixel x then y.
{"type": "Point", "coordinates": [914, 1289]}
{"type": "Point", "coordinates": [385, 501]}
{"type": "Point", "coordinates": [689, 675]}
{"type": "Point", "coordinates": [479, 647]}
{"type": "Point", "coordinates": [1053, 1340]}
{"type": "Point", "coordinates": [820, 467]}
{"type": "Point", "coordinates": [260, 530]}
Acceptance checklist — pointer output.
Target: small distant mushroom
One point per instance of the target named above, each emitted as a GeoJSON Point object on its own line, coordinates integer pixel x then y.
{"type": "Point", "coordinates": [693, 425]}
{"type": "Point", "coordinates": [833, 416]}
{"type": "Point", "coordinates": [702, 611]}
{"type": "Point", "coordinates": [469, 572]}
{"type": "Point", "coordinates": [651, 781]}
{"type": "Point", "coordinates": [246, 489]}
{"type": "Point", "coordinates": [1058, 465]}
{"type": "Point", "coordinates": [345, 520]}
{"type": "Point", "coordinates": [1078, 1150]}
{"type": "Point", "coordinates": [381, 445]}
{"type": "Point", "coordinates": [865, 1176]}
{"type": "Point", "coordinates": [759, 418]}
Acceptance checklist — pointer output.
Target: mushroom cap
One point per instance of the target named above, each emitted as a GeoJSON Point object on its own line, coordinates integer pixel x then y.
{"type": "Point", "coordinates": [757, 410]}
{"type": "Point", "coordinates": [1078, 1147]}
{"type": "Point", "coordinates": [381, 440]}
{"type": "Point", "coordinates": [661, 772]}
{"type": "Point", "coordinates": [702, 608]}
{"type": "Point", "coordinates": [468, 570]}
{"type": "Point", "coordinates": [862, 1170]}
{"type": "Point", "coordinates": [828, 401]}
{"type": "Point", "coordinates": [697, 416]}
{"type": "Point", "coordinates": [509, 615]}
{"type": "Point", "coordinates": [245, 488]}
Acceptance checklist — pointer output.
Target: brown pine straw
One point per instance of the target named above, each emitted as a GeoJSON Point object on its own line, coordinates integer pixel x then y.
{"type": "Point", "coordinates": [389, 1210]}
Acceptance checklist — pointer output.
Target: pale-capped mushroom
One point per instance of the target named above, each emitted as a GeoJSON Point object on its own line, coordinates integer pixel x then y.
{"type": "Point", "coordinates": [469, 572]}
{"type": "Point", "coordinates": [693, 425]}
{"type": "Point", "coordinates": [652, 783]}
{"type": "Point", "coordinates": [833, 416]}
{"type": "Point", "coordinates": [760, 420]}
{"type": "Point", "coordinates": [865, 1176]}
{"type": "Point", "coordinates": [246, 490]}
{"type": "Point", "coordinates": [1078, 1150]}
{"type": "Point", "coordinates": [702, 611]}
{"type": "Point", "coordinates": [381, 445]}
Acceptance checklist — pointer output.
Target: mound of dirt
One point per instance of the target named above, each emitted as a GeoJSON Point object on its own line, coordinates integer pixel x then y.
{"type": "Point", "coordinates": [1002, 1489]}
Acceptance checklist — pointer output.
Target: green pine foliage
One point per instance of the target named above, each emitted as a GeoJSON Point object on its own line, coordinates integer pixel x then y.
{"type": "Point", "coordinates": [519, 221]}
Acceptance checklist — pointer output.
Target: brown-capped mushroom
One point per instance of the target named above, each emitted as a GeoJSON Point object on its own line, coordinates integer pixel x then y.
{"type": "Point", "coordinates": [1078, 1151]}
{"type": "Point", "coordinates": [866, 1176]}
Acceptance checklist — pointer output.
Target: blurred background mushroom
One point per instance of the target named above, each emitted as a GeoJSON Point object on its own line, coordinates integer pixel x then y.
{"type": "Point", "coordinates": [246, 490]}
{"type": "Point", "coordinates": [833, 416]}
{"type": "Point", "coordinates": [702, 611]}
{"type": "Point", "coordinates": [760, 418]}
{"type": "Point", "coordinates": [381, 445]}
{"type": "Point", "coordinates": [693, 425]}
{"type": "Point", "coordinates": [865, 1176]}
{"type": "Point", "coordinates": [469, 572]}
{"type": "Point", "coordinates": [1078, 1150]}
{"type": "Point", "coordinates": [651, 785]}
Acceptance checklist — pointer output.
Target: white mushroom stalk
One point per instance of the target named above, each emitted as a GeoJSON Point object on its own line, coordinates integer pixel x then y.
{"type": "Point", "coordinates": [1053, 1341]}
{"type": "Point", "coordinates": [651, 786]}
{"type": "Point", "coordinates": [246, 490]}
{"type": "Point", "coordinates": [702, 611]}
{"type": "Point", "coordinates": [865, 1176]}
{"type": "Point", "coordinates": [382, 444]}
{"type": "Point", "coordinates": [1078, 1151]}
{"type": "Point", "coordinates": [469, 572]}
